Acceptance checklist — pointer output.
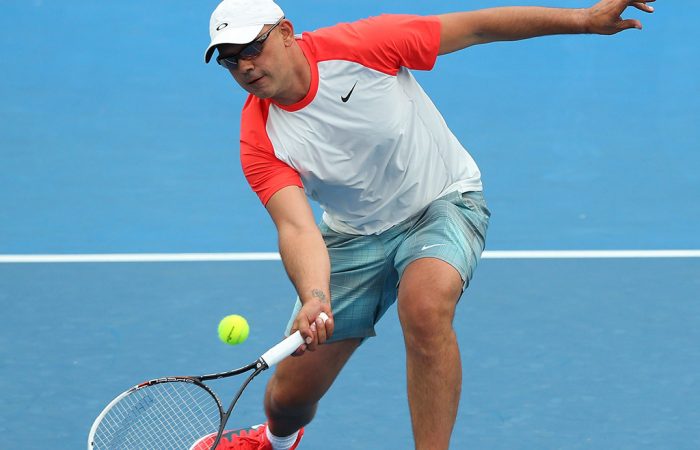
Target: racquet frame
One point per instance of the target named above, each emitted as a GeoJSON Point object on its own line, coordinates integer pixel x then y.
{"type": "Point", "coordinates": [267, 360]}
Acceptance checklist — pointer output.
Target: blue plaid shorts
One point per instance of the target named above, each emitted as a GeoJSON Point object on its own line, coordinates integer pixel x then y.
{"type": "Point", "coordinates": [366, 270]}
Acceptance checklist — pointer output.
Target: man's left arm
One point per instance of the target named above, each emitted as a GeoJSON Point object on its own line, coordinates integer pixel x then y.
{"type": "Point", "coordinates": [464, 29]}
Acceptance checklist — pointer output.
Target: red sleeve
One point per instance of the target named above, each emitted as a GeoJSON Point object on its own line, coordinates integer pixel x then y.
{"type": "Point", "coordinates": [265, 173]}
{"type": "Point", "coordinates": [384, 43]}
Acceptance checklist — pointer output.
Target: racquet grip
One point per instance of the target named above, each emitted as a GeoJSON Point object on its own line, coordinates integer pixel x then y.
{"type": "Point", "coordinates": [286, 347]}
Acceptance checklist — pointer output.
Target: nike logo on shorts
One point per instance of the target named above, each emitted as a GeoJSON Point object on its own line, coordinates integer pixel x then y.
{"type": "Point", "coordinates": [426, 247]}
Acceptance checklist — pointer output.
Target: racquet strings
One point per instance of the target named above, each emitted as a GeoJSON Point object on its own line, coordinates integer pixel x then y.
{"type": "Point", "coordinates": [169, 415]}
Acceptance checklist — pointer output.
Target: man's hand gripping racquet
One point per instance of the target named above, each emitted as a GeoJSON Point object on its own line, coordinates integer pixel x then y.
{"type": "Point", "coordinates": [173, 413]}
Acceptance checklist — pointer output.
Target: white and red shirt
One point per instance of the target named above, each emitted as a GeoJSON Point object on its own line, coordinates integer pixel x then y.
{"type": "Point", "coordinates": [366, 142]}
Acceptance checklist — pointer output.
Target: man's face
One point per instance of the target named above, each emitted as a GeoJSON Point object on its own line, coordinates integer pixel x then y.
{"type": "Point", "coordinates": [264, 75]}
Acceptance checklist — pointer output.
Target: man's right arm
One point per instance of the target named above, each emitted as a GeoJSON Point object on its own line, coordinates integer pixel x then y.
{"type": "Point", "coordinates": [305, 259]}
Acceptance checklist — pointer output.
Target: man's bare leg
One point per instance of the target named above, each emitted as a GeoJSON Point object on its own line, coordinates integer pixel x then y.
{"type": "Point", "coordinates": [298, 384]}
{"type": "Point", "coordinates": [428, 294]}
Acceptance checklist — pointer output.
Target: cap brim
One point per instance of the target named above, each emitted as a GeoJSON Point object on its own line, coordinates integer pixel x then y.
{"type": "Point", "coordinates": [240, 35]}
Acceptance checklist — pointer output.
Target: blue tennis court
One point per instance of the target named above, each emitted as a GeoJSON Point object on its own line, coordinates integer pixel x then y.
{"type": "Point", "coordinates": [115, 138]}
{"type": "Point", "coordinates": [557, 354]}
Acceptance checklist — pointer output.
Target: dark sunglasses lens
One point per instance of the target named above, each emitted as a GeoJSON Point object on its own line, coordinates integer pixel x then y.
{"type": "Point", "coordinates": [228, 63]}
{"type": "Point", "coordinates": [252, 50]}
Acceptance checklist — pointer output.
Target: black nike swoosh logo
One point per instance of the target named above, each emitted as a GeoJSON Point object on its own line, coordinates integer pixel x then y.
{"type": "Point", "coordinates": [347, 97]}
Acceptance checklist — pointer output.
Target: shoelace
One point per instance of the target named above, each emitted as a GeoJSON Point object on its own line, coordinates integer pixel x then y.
{"type": "Point", "coordinates": [243, 439]}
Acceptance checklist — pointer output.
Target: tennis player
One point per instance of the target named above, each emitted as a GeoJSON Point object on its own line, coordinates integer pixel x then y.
{"type": "Point", "coordinates": [336, 115]}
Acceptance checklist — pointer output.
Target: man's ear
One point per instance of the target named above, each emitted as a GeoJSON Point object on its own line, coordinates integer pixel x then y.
{"type": "Point", "coordinates": [287, 30]}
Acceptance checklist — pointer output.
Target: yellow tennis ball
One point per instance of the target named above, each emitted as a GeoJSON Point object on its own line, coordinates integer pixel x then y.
{"type": "Point", "coordinates": [233, 329]}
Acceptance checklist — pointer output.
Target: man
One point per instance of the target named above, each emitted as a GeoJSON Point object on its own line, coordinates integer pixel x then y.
{"type": "Point", "coordinates": [336, 115]}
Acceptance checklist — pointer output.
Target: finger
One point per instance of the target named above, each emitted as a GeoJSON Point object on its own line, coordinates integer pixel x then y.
{"type": "Point", "coordinates": [330, 327]}
{"type": "Point", "coordinates": [321, 335]}
{"type": "Point", "coordinates": [642, 6]}
{"type": "Point", "coordinates": [300, 351]}
{"type": "Point", "coordinates": [630, 23]}
{"type": "Point", "coordinates": [302, 324]}
{"type": "Point", "coordinates": [312, 341]}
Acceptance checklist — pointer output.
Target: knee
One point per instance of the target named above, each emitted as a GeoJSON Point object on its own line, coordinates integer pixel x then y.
{"type": "Point", "coordinates": [426, 321]}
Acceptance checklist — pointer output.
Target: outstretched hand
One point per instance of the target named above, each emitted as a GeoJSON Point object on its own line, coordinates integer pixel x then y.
{"type": "Point", "coordinates": [605, 17]}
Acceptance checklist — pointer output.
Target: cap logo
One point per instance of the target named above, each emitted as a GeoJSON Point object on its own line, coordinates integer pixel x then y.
{"type": "Point", "coordinates": [221, 27]}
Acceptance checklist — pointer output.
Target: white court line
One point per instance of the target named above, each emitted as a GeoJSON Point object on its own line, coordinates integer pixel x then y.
{"type": "Point", "coordinates": [273, 256]}
{"type": "Point", "coordinates": [589, 254]}
{"type": "Point", "coordinates": [139, 257]}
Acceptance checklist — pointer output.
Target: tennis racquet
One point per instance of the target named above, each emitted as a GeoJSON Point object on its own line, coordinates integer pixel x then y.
{"type": "Point", "coordinates": [174, 413]}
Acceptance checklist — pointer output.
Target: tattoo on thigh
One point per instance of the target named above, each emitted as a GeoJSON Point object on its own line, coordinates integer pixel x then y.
{"type": "Point", "coordinates": [317, 293]}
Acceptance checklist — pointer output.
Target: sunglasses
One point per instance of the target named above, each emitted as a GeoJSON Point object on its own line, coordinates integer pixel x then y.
{"type": "Point", "coordinates": [250, 51]}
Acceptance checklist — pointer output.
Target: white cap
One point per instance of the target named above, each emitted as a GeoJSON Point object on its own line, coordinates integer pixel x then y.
{"type": "Point", "coordinates": [240, 22]}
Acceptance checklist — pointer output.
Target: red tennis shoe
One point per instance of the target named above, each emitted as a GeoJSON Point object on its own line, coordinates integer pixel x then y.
{"type": "Point", "coordinates": [253, 438]}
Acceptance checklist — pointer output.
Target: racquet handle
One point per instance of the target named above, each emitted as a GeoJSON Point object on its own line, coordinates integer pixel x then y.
{"type": "Point", "coordinates": [286, 347]}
